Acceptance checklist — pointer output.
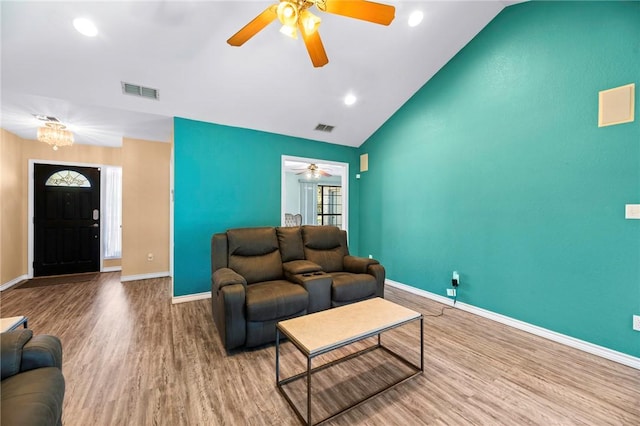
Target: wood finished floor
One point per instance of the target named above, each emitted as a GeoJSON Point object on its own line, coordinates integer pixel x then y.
{"type": "Point", "coordinates": [132, 358]}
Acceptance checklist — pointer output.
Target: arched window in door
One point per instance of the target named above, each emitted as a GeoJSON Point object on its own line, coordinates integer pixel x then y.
{"type": "Point", "coordinates": [68, 178]}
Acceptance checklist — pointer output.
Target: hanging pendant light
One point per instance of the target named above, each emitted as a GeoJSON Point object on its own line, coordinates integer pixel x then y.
{"type": "Point", "coordinates": [55, 134]}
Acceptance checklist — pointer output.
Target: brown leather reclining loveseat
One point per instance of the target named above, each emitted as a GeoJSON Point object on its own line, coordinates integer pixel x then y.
{"type": "Point", "coordinates": [264, 275]}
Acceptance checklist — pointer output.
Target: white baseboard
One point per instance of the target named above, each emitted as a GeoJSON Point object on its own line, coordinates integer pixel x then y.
{"type": "Point", "coordinates": [13, 282]}
{"type": "Point", "coordinates": [112, 269]}
{"type": "Point", "coordinates": [144, 276]}
{"type": "Point", "coordinates": [591, 348]}
{"type": "Point", "coordinates": [191, 297]}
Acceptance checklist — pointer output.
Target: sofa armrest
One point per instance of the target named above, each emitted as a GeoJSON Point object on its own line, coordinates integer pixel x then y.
{"type": "Point", "coordinates": [224, 277]}
{"type": "Point", "coordinates": [42, 351]}
{"type": "Point", "coordinates": [228, 313]}
{"type": "Point", "coordinates": [11, 344]}
{"type": "Point", "coordinates": [358, 265]}
{"type": "Point", "coordinates": [379, 273]}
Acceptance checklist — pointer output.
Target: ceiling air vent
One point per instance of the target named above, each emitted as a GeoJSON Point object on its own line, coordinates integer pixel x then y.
{"type": "Point", "coordinates": [136, 90]}
{"type": "Point", "coordinates": [324, 128]}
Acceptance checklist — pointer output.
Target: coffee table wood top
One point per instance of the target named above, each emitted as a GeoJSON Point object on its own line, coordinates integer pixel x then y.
{"type": "Point", "coordinates": [11, 323]}
{"type": "Point", "coordinates": [322, 331]}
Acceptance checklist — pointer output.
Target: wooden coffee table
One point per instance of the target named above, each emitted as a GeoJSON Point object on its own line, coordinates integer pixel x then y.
{"type": "Point", "coordinates": [11, 323]}
{"type": "Point", "coordinates": [322, 332]}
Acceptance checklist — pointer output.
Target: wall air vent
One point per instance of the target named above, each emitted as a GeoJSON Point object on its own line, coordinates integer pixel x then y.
{"type": "Point", "coordinates": [136, 90]}
{"type": "Point", "coordinates": [324, 128]}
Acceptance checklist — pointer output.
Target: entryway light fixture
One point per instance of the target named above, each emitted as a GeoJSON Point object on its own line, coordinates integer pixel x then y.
{"type": "Point", "coordinates": [55, 134]}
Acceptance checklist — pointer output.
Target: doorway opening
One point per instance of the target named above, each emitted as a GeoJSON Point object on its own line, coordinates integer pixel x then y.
{"type": "Point", "coordinates": [316, 191]}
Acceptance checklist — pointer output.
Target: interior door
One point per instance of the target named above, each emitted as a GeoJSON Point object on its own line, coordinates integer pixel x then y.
{"type": "Point", "coordinates": [66, 220]}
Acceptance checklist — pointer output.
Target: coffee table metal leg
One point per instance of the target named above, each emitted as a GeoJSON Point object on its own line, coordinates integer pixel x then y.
{"type": "Point", "coordinates": [422, 343]}
{"type": "Point", "coordinates": [277, 356]}
{"type": "Point", "coordinates": [309, 391]}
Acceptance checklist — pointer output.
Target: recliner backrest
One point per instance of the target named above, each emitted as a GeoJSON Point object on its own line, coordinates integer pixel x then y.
{"type": "Point", "coordinates": [290, 241]}
{"type": "Point", "coordinates": [326, 246]}
{"type": "Point", "coordinates": [254, 254]}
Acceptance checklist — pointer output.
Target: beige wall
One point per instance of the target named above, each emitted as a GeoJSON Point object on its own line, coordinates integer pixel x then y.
{"type": "Point", "coordinates": [145, 207]}
{"type": "Point", "coordinates": [144, 166]}
{"type": "Point", "coordinates": [12, 256]}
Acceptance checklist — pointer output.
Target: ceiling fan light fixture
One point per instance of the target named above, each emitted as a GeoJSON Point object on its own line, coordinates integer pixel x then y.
{"type": "Point", "coordinates": [289, 31]}
{"type": "Point", "coordinates": [287, 13]}
{"type": "Point", "coordinates": [293, 14]}
{"type": "Point", "coordinates": [310, 21]}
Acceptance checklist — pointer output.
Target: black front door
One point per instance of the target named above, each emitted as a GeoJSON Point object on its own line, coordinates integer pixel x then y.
{"type": "Point", "coordinates": [66, 220]}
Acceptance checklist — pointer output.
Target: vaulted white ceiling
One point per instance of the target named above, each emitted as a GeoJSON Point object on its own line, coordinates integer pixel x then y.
{"type": "Point", "coordinates": [179, 48]}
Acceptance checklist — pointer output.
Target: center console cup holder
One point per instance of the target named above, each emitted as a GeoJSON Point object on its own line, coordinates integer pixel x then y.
{"type": "Point", "coordinates": [311, 274]}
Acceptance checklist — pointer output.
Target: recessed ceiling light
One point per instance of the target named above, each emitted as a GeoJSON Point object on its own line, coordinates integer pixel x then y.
{"type": "Point", "coordinates": [85, 27]}
{"type": "Point", "coordinates": [350, 99]}
{"type": "Point", "coordinates": [415, 18]}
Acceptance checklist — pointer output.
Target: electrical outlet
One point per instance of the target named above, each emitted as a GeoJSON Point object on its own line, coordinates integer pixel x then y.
{"type": "Point", "coordinates": [451, 292]}
{"type": "Point", "coordinates": [636, 322]}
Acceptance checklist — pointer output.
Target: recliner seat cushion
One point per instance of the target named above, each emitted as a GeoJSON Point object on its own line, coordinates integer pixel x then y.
{"type": "Point", "coordinates": [254, 254]}
{"type": "Point", "coordinates": [33, 397]}
{"type": "Point", "coordinates": [275, 299]}
{"type": "Point", "coordinates": [347, 286]}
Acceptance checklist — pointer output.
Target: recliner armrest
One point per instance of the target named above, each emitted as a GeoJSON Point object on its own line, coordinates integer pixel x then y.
{"type": "Point", "coordinates": [11, 344]}
{"type": "Point", "coordinates": [42, 351]}
{"type": "Point", "coordinates": [226, 276]}
{"type": "Point", "coordinates": [358, 265]}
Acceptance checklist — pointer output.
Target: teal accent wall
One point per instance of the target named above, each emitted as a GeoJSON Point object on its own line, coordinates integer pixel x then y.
{"type": "Point", "coordinates": [228, 177]}
{"type": "Point", "coordinates": [496, 168]}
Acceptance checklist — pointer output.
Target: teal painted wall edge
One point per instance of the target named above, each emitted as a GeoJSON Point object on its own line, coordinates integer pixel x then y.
{"type": "Point", "coordinates": [496, 168]}
{"type": "Point", "coordinates": [228, 177]}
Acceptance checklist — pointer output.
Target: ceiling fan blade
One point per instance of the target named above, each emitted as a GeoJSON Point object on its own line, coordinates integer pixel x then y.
{"type": "Point", "coordinates": [377, 13]}
{"type": "Point", "coordinates": [314, 46]}
{"type": "Point", "coordinates": [323, 173]}
{"type": "Point", "coordinates": [252, 28]}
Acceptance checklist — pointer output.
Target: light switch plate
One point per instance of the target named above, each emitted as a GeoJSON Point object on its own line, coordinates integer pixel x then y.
{"type": "Point", "coordinates": [632, 211]}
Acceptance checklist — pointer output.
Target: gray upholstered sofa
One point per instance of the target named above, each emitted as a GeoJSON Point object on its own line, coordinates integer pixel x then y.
{"type": "Point", "coordinates": [32, 388]}
{"type": "Point", "coordinates": [264, 275]}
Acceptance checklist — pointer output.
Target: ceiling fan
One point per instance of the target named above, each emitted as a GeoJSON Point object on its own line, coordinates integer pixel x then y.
{"type": "Point", "coordinates": [313, 171]}
{"type": "Point", "coordinates": [295, 15]}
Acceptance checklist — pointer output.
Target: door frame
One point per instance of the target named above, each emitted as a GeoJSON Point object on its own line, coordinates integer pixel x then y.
{"type": "Point", "coordinates": [31, 209]}
{"type": "Point", "coordinates": [345, 186]}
